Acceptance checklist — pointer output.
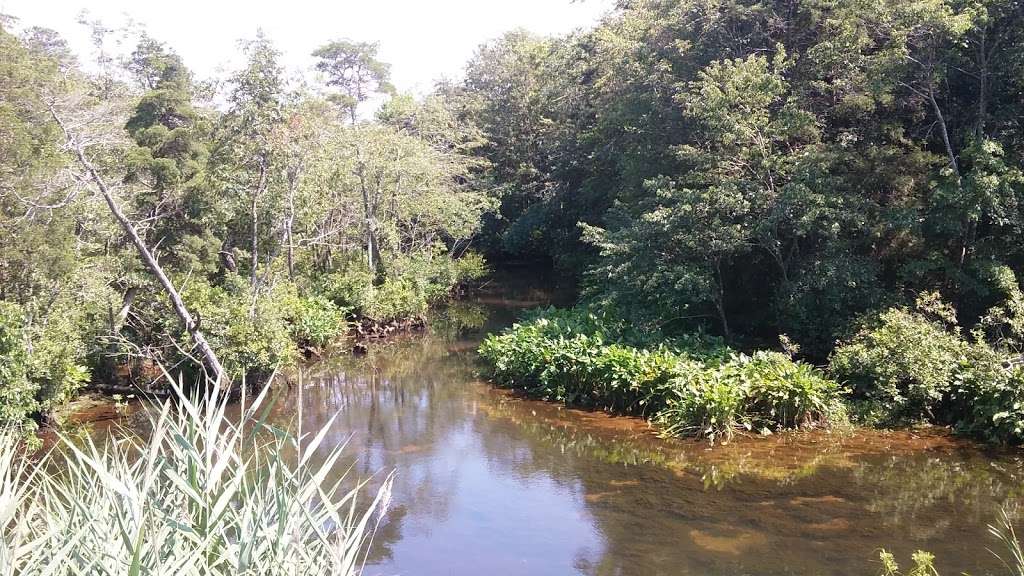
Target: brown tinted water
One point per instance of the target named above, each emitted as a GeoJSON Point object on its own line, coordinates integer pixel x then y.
{"type": "Point", "coordinates": [491, 483]}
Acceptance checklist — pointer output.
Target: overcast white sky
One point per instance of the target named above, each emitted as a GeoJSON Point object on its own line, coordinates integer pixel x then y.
{"type": "Point", "coordinates": [423, 40]}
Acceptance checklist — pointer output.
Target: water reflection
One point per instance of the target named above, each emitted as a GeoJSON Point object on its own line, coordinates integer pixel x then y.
{"type": "Point", "coordinates": [491, 483]}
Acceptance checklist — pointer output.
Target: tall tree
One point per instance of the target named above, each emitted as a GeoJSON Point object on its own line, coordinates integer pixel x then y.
{"type": "Point", "coordinates": [256, 112]}
{"type": "Point", "coordinates": [354, 69]}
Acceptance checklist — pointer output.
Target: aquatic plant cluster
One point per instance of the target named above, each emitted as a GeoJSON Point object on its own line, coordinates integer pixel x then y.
{"type": "Point", "coordinates": [694, 387]}
{"type": "Point", "coordinates": [907, 367]}
{"type": "Point", "coordinates": [201, 494]}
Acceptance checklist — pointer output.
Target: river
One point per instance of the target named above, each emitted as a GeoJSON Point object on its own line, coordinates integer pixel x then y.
{"type": "Point", "coordinates": [488, 483]}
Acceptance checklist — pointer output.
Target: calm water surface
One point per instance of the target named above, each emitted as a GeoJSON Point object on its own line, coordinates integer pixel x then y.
{"type": "Point", "coordinates": [489, 483]}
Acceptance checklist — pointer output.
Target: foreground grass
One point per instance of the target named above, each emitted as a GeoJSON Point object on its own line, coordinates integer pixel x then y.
{"type": "Point", "coordinates": [201, 495]}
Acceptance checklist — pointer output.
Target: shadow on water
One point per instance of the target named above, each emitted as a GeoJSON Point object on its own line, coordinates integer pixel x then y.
{"type": "Point", "coordinates": [491, 483]}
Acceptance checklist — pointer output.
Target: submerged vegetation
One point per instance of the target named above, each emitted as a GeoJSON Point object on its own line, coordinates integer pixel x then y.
{"type": "Point", "coordinates": [199, 494]}
{"type": "Point", "coordinates": [924, 562]}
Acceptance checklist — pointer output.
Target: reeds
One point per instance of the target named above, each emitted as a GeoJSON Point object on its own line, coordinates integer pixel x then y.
{"type": "Point", "coordinates": [199, 494]}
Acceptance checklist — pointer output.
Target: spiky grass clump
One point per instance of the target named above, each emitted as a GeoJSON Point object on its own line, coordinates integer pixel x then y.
{"type": "Point", "coordinates": [202, 494]}
{"type": "Point", "coordinates": [924, 562]}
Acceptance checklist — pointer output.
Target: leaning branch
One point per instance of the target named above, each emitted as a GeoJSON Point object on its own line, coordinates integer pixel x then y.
{"type": "Point", "coordinates": [210, 359]}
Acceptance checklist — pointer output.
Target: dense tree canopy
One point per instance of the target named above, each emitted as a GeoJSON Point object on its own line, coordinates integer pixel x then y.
{"type": "Point", "coordinates": [752, 168]}
{"type": "Point", "coordinates": [150, 218]}
{"type": "Point", "coordinates": [761, 167]}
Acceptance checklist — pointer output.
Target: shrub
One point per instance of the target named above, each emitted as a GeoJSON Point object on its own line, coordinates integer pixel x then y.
{"type": "Point", "coordinates": [470, 267]}
{"type": "Point", "coordinates": [57, 364]}
{"type": "Point", "coordinates": [412, 284]}
{"type": "Point", "coordinates": [17, 392]}
{"type": "Point", "coordinates": [915, 366]}
{"type": "Point", "coordinates": [904, 360]}
{"type": "Point", "coordinates": [987, 399]}
{"type": "Point", "coordinates": [347, 287]}
{"type": "Point", "coordinates": [395, 299]}
{"type": "Point", "coordinates": [251, 337]}
{"type": "Point", "coordinates": [317, 321]}
{"type": "Point", "coordinates": [313, 321]}
{"type": "Point", "coordinates": [1004, 322]}
{"type": "Point", "coordinates": [41, 365]}
{"type": "Point", "coordinates": [204, 494]}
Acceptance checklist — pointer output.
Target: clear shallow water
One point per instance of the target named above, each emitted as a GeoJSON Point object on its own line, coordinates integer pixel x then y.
{"type": "Point", "coordinates": [490, 483]}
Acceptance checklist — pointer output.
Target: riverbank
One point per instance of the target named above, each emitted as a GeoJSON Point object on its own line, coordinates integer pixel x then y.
{"type": "Point", "coordinates": [697, 386]}
{"type": "Point", "coordinates": [489, 480]}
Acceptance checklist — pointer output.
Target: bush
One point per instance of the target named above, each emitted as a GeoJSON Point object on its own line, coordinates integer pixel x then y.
{"type": "Point", "coordinates": [17, 392]}
{"type": "Point", "coordinates": [251, 339]}
{"type": "Point", "coordinates": [317, 321]}
{"type": "Point", "coordinates": [470, 267]}
{"type": "Point", "coordinates": [313, 321]}
{"type": "Point", "coordinates": [696, 389]}
{"type": "Point", "coordinates": [914, 366]}
{"type": "Point", "coordinates": [412, 284]}
{"type": "Point", "coordinates": [58, 362]}
{"type": "Point", "coordinates": [41, 366]}
{"type": "Point", "coordinates": [904, 360]}
{"type": "Point", "coordinates": [395, 299]}
{"type": "Point", "coordinates": [347, 288]}
{"type": "Point", "coordinates": [987, 399]}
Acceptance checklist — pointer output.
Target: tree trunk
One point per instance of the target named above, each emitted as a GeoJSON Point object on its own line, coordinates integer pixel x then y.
{"type": "Point", "coordinates": [969, 225]}
{"type": "Point", "coordinates": [117, 319]}
{"type": "Point", "coordinates": [719, 298]}
{"type": "Point", "coordinates": [945, 133]}
{"type": "Point", "coordinates": [289, 225]}
{"type": "Point", "coordinates": [979, 131]}
{"type": "Point", "coordinates": [372, 247]}
{"type": "Point", "coordinates": [254, 219]}
{"type": "Point", "coordinates": [210, 359]}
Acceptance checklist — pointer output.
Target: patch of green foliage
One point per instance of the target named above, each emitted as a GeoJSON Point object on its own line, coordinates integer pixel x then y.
{"type": "Point", "coordinates": [17, 395]}
{"type": "Point", "coordinates": [41, 367]}
{"type": "Point", "coordinates": [251, 333]}
{"type": "Point", "coordinates": [692, 387]}
{"type": "Point", "coordinates": [411, 285]}
{"type": "Point", "coordinates": [912, 365]}
{"type": "Point", "coordinates": [313, 320]}
{"type": "Point", "coordinates": [904, 360]}
{"type": "Point", "coordinates": [987, 397]}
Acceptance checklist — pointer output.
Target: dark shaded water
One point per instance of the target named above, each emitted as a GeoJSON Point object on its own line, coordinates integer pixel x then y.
{"type": "Point", "coordinates": [488, 483]}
